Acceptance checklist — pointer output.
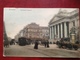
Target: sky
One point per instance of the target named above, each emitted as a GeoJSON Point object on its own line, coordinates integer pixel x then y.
{"type": "Point", "coordinates": [17, 18]}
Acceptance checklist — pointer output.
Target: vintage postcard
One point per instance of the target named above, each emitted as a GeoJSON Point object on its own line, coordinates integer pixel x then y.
{"type": "Point", "coordinates": [41, 32]}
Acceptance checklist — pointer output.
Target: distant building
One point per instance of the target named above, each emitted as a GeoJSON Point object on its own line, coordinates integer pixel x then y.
{"type": "Point", "coordinates": [33, 31]}
{"type": "Point", "coordinates": [45, 33]}
{"type": "Point", "coordinates": [16, 37]}
{"type": "Point", "coordinates": [61, 24]}
{"type": "Point", "coordinates": [20, 34]}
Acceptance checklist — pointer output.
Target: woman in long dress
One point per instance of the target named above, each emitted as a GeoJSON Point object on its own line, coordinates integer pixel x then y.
{"type": "Point", "coordinates": [36, 45]}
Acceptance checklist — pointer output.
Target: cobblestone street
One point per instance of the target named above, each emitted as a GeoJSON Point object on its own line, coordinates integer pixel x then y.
{"type": "Point", "coordinates": [29, 51]}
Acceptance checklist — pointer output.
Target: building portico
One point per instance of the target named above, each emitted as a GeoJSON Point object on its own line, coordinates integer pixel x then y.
{"type": "Point", "coordinates": [60, 25]}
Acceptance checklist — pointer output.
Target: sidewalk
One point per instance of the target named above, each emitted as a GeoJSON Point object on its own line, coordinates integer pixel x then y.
{"type": "Point", "coordinates": [54, 46]}
{"type": "Point", "coordinates": [29, 51]}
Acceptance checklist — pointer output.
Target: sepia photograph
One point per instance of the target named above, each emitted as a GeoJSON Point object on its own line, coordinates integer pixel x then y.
{"type": "Point", "coordinates": [41, 32]}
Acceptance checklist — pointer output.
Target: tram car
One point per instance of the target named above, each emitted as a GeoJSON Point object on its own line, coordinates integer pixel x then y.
{"type": "Point", "coordinates": [66, 44]}
{"type": "Point", "coordinates": [22, 41]}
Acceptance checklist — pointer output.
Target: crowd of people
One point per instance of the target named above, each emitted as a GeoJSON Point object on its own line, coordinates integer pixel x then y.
{"type": "Point", "coordinates": [45, 44]}
{"type": "Point", "coordinates": [7, 43]}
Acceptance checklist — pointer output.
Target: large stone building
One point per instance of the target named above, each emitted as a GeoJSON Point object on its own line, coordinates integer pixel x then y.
{"type": "Point", "coordinates": [61, 24]}
{"type": "Point", "coordinates": [45, 32]}
{"type": "Point", "coordinates": [34, 31]}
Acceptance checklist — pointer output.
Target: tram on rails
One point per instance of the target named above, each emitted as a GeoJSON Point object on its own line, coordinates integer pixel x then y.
{"type": "Point", "coordinates": [22, 41]}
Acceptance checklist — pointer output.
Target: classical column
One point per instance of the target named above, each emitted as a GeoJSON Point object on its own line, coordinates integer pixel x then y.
{"type": "Point", "coordinates": [76, 23]}
{"type": "Point", "coordinates": [58, 31]}
{"type": "Point", "coordinates": [61, 31]}
{"type": "Point", "coordinates": [67, 23]}
{"type": "Point", "coordinates": [50, 32]}
{"type": "Point", "coordinates": [65, 30]}
{"type": "Point", "coordinates": [55, 30]}
{"type": "Point", "coordinates": [70, 25]}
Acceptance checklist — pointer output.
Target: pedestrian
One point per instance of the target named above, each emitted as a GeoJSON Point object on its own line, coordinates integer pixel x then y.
{"type": "Point", "coordinates": [36, 44]}
{"type": "Point", "coordinates": [47, 43]}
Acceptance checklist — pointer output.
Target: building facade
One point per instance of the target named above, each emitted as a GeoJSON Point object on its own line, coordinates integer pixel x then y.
{"type": "Point", "coordinates": [33, 31]}
{"type": "Point", "coordinates": [61, 24]}
{"type": "Point", "coordinates": [45, 33]}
